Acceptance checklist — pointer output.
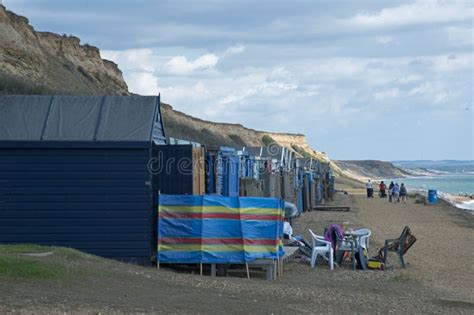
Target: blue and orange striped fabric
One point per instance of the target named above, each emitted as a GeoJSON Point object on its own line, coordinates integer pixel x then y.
{"type": "Point", "coordinates": [216, 229]}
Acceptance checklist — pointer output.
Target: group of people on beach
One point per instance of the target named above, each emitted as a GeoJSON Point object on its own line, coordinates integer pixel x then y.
{"type": "Point", "coordinates": [396, 193]}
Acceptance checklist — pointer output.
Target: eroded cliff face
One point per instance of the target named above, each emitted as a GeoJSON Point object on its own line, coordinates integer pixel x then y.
{"type": "Point", "coordinates": [182, 126]}
{"type": "Point", "coordinates": [298, 143]}
{"type": "Point", "coordinates": [52, 62]}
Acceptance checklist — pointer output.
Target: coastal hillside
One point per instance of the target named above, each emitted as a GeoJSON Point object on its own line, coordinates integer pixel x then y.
{"type": "Point", "coordinates": [371, 169]}
{"type": "Point", "coordinates": [438, 167]}
{"type": "Point", "coordinates": [33, 62]}
{"type": "Point", "coordinates": [182, 126]}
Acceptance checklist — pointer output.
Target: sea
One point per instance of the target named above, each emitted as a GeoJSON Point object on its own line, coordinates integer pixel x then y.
{"type": "Point", "coordinates": [451, 178]}
{"type": "Point", "coordinates": [451, 184]}
{"type": "Point", "coordinates": [448, 186]}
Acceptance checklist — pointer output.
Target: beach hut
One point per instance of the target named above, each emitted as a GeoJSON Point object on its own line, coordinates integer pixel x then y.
{"type": "Point", "coordinates": [273, 158]}
{"type": "Point", "coordinates": [222, 171]}
{"type": "Point", "coordinates": [228, 172]}
{"type": "Point", "coordinates": [247, 164]}
{"type": "Point", "coordinates": [180, 169]}
{"type": "Point", "coordinates": [77, 171]}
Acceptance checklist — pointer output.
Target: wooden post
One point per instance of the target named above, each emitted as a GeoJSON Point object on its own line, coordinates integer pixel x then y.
{"type": "Point", "coordinates": [158, 234]}
{"type": "Point", "coordinates": [278, 269]}
{"type": "Point", "coordinates": [275, 266]}
{"type": "Point", "coordinates": [248, 271]}
{"type": "Point", "coordinates": [200, 269]}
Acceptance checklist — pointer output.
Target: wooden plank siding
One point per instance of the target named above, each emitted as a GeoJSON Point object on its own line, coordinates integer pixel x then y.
{"type": "Point", "coordinates": [95, 199]}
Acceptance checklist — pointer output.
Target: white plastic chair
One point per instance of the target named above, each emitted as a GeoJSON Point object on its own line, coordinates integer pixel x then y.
{"type": "Point", "coordinates": [321, 247]}
{"type": "Point", "coordinates": [364, 236]}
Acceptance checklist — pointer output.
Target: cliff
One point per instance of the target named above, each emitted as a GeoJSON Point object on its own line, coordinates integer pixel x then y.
{"type": "Point", "coordinates": [43, 62]}
{"type": "Point", "coordinates": [182, 126]}
{"type": "Point", "coordinates": [371, 169]}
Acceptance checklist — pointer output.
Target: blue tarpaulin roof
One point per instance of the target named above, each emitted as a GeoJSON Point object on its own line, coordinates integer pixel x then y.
{"type": "Point", "coordinates": [81, 118]}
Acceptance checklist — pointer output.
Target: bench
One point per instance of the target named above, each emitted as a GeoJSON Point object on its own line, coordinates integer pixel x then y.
{"type": "Point", "coordinates": [269, 265]}
{"type": "Point", "coordinates": [272, 267]}
{"type": "Point", "coordinates": [330, 208]}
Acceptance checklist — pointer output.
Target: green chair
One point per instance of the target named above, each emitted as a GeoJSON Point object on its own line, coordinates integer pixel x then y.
{"type": "Point", "coordinates": [400, 245]}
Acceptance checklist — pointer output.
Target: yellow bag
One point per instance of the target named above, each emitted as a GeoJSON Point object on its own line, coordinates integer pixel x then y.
{"type": "Point", "coordinates": [375, 264]}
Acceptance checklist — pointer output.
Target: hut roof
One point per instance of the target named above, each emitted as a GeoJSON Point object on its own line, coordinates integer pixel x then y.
{"type": "Point", "coordinates": [81, 118]}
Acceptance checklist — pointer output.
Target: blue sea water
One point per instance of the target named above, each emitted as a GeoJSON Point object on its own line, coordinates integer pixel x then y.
{"type": "Point", "coordinates": [446, 185]}
{"type": "Point", "coordinates": [451, 184]}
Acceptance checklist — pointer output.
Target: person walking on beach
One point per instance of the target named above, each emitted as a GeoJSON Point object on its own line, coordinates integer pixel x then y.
{"type": "Point", "coordinates": [396, 193]}
{"type": "Point", "coordinates": [382, 188]}
{"type": "Point", "coordinates": [403, 193]}
{"type": "Point", "coordinates": [390, 192]}
{"type": "Point", "coordinates": [370, 189]}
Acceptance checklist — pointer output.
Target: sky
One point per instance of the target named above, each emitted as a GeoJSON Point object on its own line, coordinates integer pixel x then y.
{"type": "Point", "coordinates": [388, 80]}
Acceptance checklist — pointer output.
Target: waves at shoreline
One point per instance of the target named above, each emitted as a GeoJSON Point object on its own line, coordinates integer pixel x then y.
{"type": "Point", "coordinates": [457, 201]}
{"type": "Point", "coordinates": [455, 189]}
{"type": "Point", "coordinates": [464, 203]}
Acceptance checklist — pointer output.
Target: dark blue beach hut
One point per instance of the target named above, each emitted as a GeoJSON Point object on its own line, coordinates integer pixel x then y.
{"type": "Point", "coordinates": [74, 171]}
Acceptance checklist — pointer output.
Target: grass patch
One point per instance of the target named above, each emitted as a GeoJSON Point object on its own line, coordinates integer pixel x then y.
{"type": "Point", "coordinates": [63, 263]}
{"type": "Point", "coordinates": [63, 252]}
{"type": "Point", "coordinates": [28, 267]}
{"type": "Point", "coordinates": [24, 248]}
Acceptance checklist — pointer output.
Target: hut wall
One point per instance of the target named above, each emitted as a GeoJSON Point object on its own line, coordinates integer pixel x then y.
{"type": "Point", "coordinates": [94, 197]}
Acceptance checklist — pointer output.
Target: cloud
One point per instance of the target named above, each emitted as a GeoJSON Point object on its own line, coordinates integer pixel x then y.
{"type": "Point", "coordinates": [460, 36]}
{"type": "Point", "coordinates": [180, 65]}
{"type": "Point", "coordinates": [148, 60]}
{"type": "Point", "coordinates": [261, 89]}
{"type": "Point", "coordinates": [144, 83]}
{"type": "Point", "coordinates": [333, 69]}
{"type": "Point", "coordinates": [452, 63]}
{"type": "Point", "coordinates": [384, 40]}
{"type": "Point", "coordinates": [340, 83]}
{"type": "Point", "coordinates": [411, 78]}
{"type": "Point", "coordinates": [386, 94]}
{"type": "Point", "coordinates": [420, 12]}
{"type": "Point", "coordinates": [435, 92]}
{"type": "Point", "coordinates": [198, 92]}
{"type": "Point", "coordinates": [132, 59]}
{"type": "Point", "coordinates": [233, 50]}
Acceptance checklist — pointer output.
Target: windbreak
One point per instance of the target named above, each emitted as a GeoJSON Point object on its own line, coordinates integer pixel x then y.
{"type": "Point", "coordinates": [216, 229]}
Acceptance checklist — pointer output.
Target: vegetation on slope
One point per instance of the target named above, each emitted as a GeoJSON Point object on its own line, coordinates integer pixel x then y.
{"type": "Point", "coordinates": [12, 85]}
{"type": "Point", "coordinates": [267, 140]}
